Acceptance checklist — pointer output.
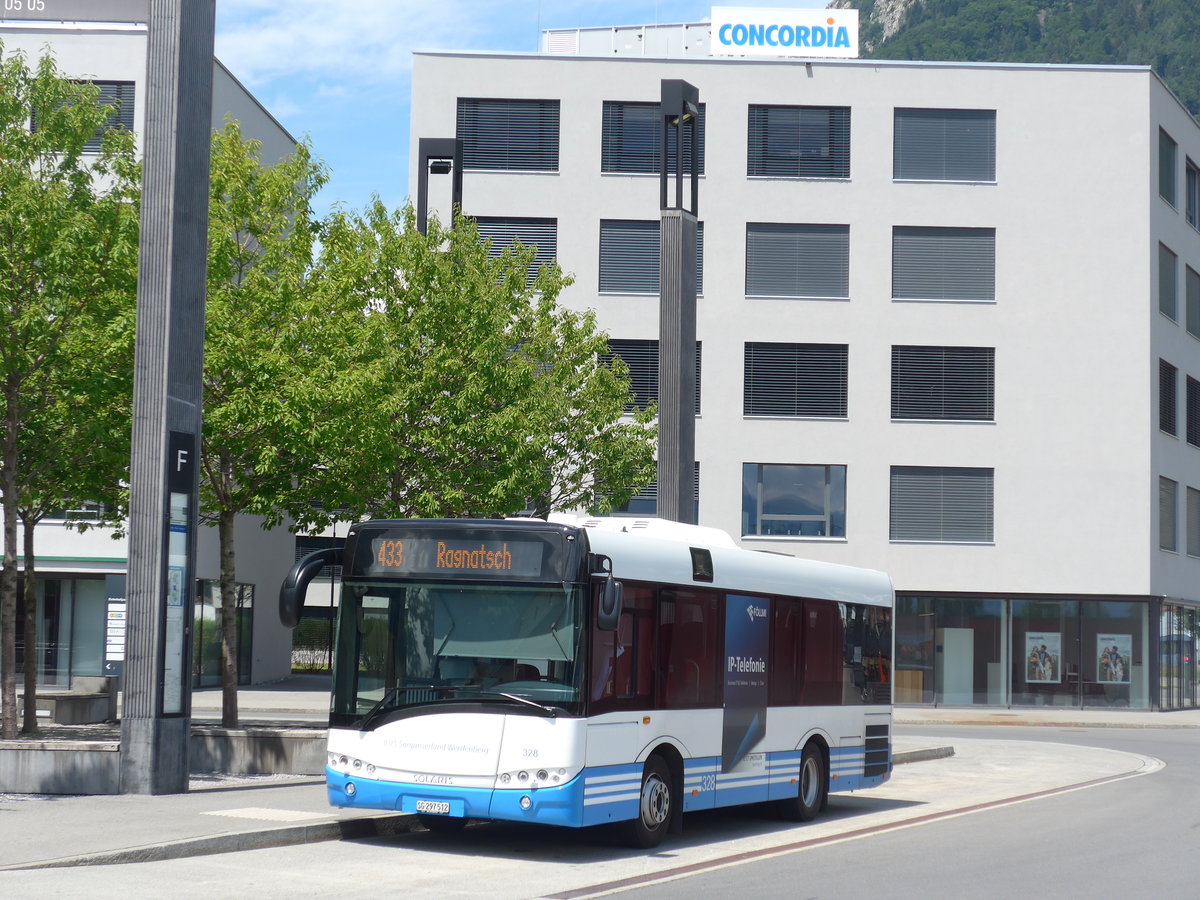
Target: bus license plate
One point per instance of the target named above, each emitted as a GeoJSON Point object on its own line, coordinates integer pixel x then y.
{"type": "Point", "coordinates": [439, 807]}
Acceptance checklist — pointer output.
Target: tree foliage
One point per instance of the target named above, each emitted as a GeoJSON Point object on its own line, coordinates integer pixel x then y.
{"type": "Point", "coordinates": [476, 394]}
{"type": "Point", "coordinates": [68, 251]}
{"type": "Point", "coordinates": [266, 342]}
{"type": "Point", "coordinates": [1156, 33]}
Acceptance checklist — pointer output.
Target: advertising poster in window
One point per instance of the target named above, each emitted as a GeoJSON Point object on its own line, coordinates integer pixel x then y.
{"type": "Point", "coordinates": [747, 637]}
{"type": "Point", "coordinates": [1113, 655]}
{"type": "Point", "coordinates": [1043, 657]}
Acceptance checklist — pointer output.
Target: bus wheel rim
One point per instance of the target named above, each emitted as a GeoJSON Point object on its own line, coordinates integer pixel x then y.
{"type": "Point", "coordinates": [808, 782]}
{"type": "Point", "coordinates": [656, 801]}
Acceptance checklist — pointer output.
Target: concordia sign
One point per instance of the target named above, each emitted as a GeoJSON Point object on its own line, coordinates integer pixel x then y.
{"type": "Point", "coordinates": [738, 31]}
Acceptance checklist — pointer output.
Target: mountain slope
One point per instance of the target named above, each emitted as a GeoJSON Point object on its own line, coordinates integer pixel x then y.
{"type": "Point", "coordinates": [1158, 33]}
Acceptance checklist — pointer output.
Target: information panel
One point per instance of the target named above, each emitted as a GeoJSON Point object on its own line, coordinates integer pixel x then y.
{"type": "Point", "coordinates": [437, 551]}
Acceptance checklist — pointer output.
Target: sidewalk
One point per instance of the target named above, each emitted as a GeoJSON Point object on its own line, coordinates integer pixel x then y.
{"type": "Point", "coordinates": [225, 814]}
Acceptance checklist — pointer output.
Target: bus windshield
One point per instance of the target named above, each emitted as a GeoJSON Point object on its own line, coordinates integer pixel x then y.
{"type": "Point", "coordinates": [405, 645]}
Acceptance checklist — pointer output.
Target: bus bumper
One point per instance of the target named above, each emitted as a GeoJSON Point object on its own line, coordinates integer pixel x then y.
{"type": "Point", "coordinates": [557, 805]}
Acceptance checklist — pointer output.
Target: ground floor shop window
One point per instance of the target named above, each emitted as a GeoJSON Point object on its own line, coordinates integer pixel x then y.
{"type": "Point", "coordinates": [1178, 671]}
{"type": "Point", "coordinates": [994, 651]}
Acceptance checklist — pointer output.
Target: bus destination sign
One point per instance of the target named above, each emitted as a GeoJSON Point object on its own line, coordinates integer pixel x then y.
{"type": "Point", "coordinates": [492, 557]}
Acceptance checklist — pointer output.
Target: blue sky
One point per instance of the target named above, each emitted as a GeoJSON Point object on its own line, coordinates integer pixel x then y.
{"type": "Point", "coordinates": [338, 72]}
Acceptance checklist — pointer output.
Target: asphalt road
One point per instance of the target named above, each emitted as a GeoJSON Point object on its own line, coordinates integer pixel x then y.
{"type": "Point", "coordinates": [994, 821]}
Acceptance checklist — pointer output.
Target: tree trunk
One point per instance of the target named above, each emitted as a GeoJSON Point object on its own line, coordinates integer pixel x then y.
{"type": "Point", "coordinates": [8, 574]}
{"type": "Point", "coordinates": [229, 623]}
{"type": "Point", "coordinates": [29, 570]}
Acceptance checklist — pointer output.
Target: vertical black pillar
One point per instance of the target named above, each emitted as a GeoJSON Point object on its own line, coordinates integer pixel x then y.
{"type": "Point", "coordinates": [677, 309]}
{"type": "Point", "coordinates": [168, 362]}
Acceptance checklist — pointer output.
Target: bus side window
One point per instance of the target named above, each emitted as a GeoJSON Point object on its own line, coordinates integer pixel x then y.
{"type": "Point", "coordinates": [822, 654]}
{"type": "Point", "coordinates": [787, 673]}
{"type": "Point", "coordinates": [621, 667]}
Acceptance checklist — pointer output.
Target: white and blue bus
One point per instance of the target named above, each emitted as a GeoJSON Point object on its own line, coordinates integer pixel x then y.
{"type": "Point", "coordinates": [599, 671]}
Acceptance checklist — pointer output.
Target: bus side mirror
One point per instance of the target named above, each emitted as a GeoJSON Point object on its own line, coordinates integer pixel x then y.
{"type": "Point", "coordinates": [611, 596]}
{"type": "Point", "coordinates": [295, 585]}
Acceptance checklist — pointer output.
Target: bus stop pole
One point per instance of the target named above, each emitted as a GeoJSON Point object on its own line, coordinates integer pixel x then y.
{"type": "Point", "coordinates": [168, 363]}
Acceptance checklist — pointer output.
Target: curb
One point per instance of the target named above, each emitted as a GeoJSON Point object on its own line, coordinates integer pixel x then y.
{"type": "Point", "coordinates": [922, 755]}
{"type": "Point", "coordinates": [341, 830]}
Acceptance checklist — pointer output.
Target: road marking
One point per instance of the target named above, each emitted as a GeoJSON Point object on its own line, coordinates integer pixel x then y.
{"type": "Point", "coordinates": [267, 815]}
{"type": "Point", "coordinates": [1149, 765]}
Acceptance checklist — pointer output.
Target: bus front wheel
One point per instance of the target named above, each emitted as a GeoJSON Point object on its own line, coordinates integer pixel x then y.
{"type": "Point", "coordinates": [656, 805]}
{"type": "Point", "coordinates": [814, 787]}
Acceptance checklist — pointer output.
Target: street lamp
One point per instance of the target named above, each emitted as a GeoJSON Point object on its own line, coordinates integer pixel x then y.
{"type": "Point", "coordinates": [679, 115]}
{"type": "Point", "coordinates": [439, 156]}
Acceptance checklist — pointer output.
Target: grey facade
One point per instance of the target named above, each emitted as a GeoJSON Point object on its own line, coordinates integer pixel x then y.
{"type": "Point", "coordinates": [948, 321]}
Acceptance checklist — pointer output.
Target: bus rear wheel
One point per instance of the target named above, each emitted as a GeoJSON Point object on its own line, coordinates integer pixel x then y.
{"type": "Point", "coordinates": [656, 805]}
{"type": "Point", "coordinates": [814, 787]}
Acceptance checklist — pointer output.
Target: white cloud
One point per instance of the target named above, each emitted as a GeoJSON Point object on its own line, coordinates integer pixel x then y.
{"type": "Point", "coordinates": [367, 42]}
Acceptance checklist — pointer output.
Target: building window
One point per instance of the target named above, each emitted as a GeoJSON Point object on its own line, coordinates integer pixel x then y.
{"type": "Point", "coordinates": [944, 264]}
{"type": "Point", "coordinates": [799, 141]}
{"type": "Point", "coordinates": [1166, 397]}
{"type": "Point", "coordinates": [941, 504]}
{"type": "Point", "coordinates": [948, 383]}
{"type": "Point", "coordinates": [630, 256]}
{"type": "Point", "coordinates": [1193, 411]}
{"type": "Point", "coordinates": [1192, 197]}
{"type": "Point", "coordinates": [1166, 282]}
{"type": "Point", "coordinates": [1193, 522]}
{"type": "Point", "coordinates": [1168, 499]}
{"type": "Point", "coordinates": [645, 502]}
{"type": "Point", "coordinates": [807, 380]}
{"type": "Point", "coordinates": [1166, 167]}
{"type": "Point", "coordinates": [1192, 301]}
{"type": "Point", "coordinates": [509, 134]}
{"type": "Point", "coordinates": [631, 139]}
{"type": "Point", "coordinates": [785, 260]}
{"type": "Point", "coordinates": [119, 96]}
{"type": "Point", "coordinates": [642, 359]}
{"type": "Point", "coordinates": [793, 500]}
{"type": "Point", "coordinates": [944, 145]}
{"type": "Point", "coordinates": [542, 234]}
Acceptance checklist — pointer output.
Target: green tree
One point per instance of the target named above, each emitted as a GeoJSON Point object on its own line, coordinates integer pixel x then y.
{"type": "Point", "coordinates": [271, 356]}
{"type": "Point", "coordinates": [67, 243]}
{"type": "Point", "coordinates": [475, 393]}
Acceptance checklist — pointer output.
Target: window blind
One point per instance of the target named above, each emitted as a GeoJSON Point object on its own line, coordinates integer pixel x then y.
{"type": "Point", "coordinates": [941, 504]}
{"type": "Point", "coordinates": [630, 256]}
{"type": "Point", "coordinates": [943, 263]}
{"type": "Point", "coordinates": [798, 141]}
{"type": "Point", "coordinates": [944, 145]}
{"type": "Point", "coordinates": [631, 139]}
{"type": "Point", "coordinates": [795, 380]}
{"type": "Point", "coordinates": [509, 134]}
{"type": "Point", "coordinates": [541, 234]}
{"type": "Point", "coordinates": [792, 260]}
{"type": "Point", "coordinates": [954, 383]}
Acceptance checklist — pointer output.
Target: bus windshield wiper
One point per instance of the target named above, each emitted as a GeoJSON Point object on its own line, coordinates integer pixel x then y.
{"type": "Point", "coordinates": [378, 707]}
{"type": "Point", "coordinates": [548, 710]}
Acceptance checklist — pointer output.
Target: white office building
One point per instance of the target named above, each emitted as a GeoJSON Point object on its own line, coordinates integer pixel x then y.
{"type": "Point", "coordinates": [78, 572]}
{"type": "Point", "coordinates": [948, 321]}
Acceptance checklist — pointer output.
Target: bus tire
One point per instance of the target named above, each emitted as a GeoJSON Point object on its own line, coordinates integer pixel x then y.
{"type": "Point", "coordinates": [442, 824]}
{"type": "Point", "coordinates": [814, 787]}
{"type": "Point", "coordinates": [656, 805]}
